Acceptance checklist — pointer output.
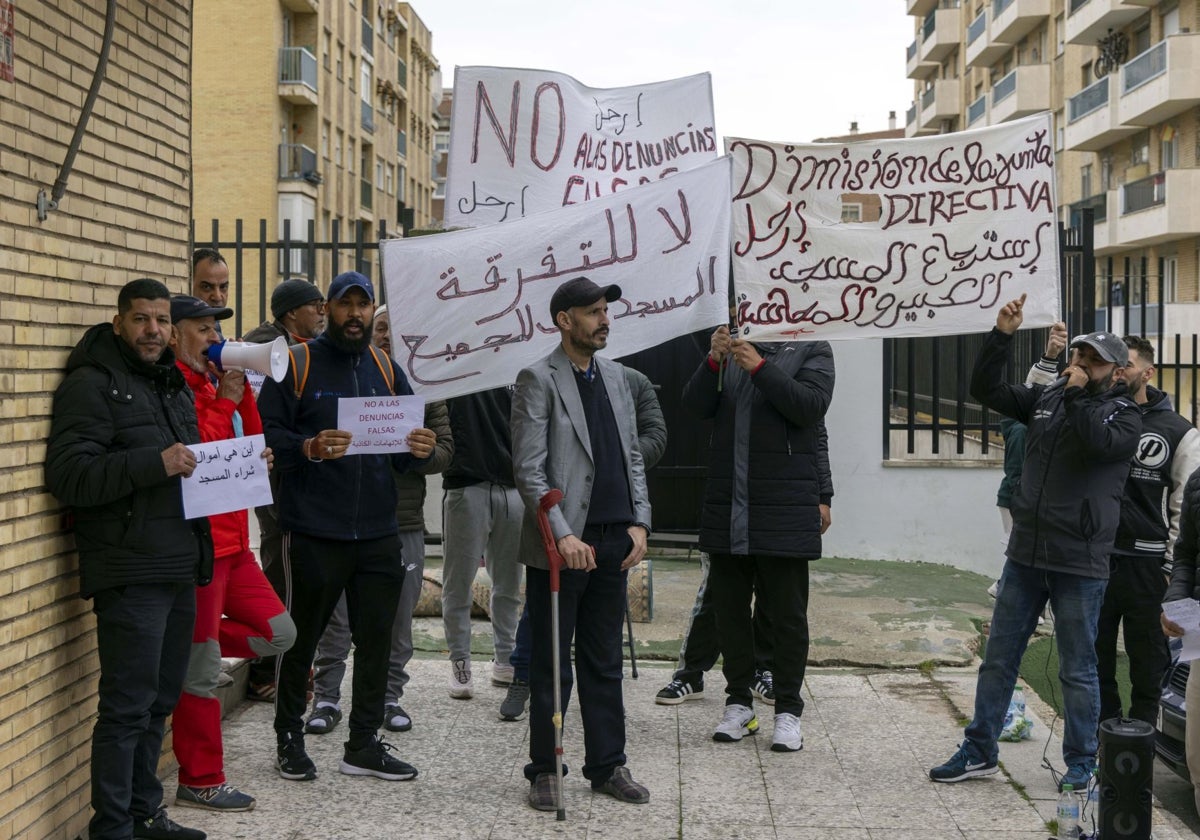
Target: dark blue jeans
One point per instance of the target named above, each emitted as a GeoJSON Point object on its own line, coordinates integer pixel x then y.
{"type": "Point", "coordinates": [1020, 599]}
{"type": "Point", "coordinates": [143, 637]}
{"type": "Point", "coordinates": [591, 611]}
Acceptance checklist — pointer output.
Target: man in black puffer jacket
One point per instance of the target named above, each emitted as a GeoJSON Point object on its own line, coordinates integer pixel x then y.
{"type": "Point", "coordinates": [761, 514]}
{"type": "Point", "coordinates": [1082, 431]}
{"type": "Point", "coordinates": [118, 444]}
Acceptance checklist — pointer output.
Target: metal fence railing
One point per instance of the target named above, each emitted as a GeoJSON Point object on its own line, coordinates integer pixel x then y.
{"type": "Point", "coordinates": [1144, 193]}
{"type": "Point", "coordinates": [1141, 69]}
{"type": "Point", "coordinates": [297, 66]}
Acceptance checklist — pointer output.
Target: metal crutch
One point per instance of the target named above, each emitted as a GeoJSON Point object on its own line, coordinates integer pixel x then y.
{"type": "Point", "coordinates": [552, 498]}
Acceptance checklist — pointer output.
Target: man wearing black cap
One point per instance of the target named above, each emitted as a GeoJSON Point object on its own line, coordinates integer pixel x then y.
{"type": "Point", "coordinates": [1082, 431]}
{"type": "Point", "coordinates": [573, 429]}
{"type": "Point", "coordinates": [122, 422]}
{"type": "Point", "coordinates": [238, 614]}
{"type": "Point", "coordinates": [338, 516]}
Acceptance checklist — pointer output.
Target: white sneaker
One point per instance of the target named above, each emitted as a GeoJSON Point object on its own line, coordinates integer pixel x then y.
{"type": "Point", "coordinates": [736, 722]}
{"type": "Point", "coordinates": [502, 675]}
{"type": "Point", "coordinates": [787, 737]}
{"type": "Point", "coordinates": [461, 687]}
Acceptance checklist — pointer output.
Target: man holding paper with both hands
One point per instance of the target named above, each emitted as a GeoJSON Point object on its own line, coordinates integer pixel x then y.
{"type": "Point", "coordinates": [338, 516]}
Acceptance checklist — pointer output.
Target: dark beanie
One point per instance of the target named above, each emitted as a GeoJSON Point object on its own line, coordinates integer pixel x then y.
{"type": "Point", "coordinates": [292, 293]}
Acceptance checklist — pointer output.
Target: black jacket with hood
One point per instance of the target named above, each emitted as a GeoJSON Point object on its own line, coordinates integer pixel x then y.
{"type": "Point", "coordinates": [113, 417]}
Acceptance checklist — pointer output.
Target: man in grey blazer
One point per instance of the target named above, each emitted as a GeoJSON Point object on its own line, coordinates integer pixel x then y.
{"type": "Point", "coordinates": [574, 428]}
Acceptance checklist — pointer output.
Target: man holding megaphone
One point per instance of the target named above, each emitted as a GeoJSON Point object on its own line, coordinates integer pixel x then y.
{"type": "Point", "coordinates": [255, 622]}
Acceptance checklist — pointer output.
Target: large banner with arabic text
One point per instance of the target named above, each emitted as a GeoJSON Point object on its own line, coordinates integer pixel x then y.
{"type": "Point", "coordinates": [470, 308]}
{"type": "Point", "coordinates": [528, 141]}
{"type": "Point", "coordinates": [917, 237]}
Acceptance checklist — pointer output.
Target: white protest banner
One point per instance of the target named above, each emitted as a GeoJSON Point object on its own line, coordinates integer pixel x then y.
{"type": "Point", "coordinates": [918, 237]}
{"type": "Point", "coordinates": [471, 308]}
{"type": "Point", "coordinates": [379, 425]}
{"type": "Point", "coordinates": [230, 475]}
{"type": "Point", "coordinates": [528, 141]}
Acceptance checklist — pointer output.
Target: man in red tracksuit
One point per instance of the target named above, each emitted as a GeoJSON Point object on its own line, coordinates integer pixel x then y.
{"type": "Point", "coordinates": [255, 622]}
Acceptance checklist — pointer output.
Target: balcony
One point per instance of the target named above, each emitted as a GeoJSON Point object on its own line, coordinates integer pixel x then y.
{"type": "Point", "coordinates": [368, 117]}
{"type": "Point", "coordinates": [942, 101]}
{"type": "Point", "coordinates": [1089, 20]}
{"type": "Point", "coordinates": [920, 8]}
{"type": "Point", "coordinates": [940, 34]}
{"type": "Point", "coordinates": [1100, 205]}
{"type": "Point", "coordinates": [297, 76]}
{"type": "Point", "coordinates": [298, 163]}
{"type": "Point", "coordinates": [366, 195]}
{"type": "Point", "coordinates": [915, 68]}
{"type": "Point", "coordinates": [1160, 208]}
{"type": "Point", "coordinates": [983, 48]}
{"type": "Point", "coordinates": [978, 110]}
{"type": "Point", "coordinates": [1161, 82]}
{"type": "Point", "coordinates": [1093, 122]}
{"type": "Point", "coordinates": [302, 7]}
{"type": "Point", "coordinates": [401, 143]}
{"type": "Point", "coordinates": [1024, 91]}
{"type": "Point", "coordinates": [368, 37]}
{"type": "Point", "coordinates": [1012, 20]}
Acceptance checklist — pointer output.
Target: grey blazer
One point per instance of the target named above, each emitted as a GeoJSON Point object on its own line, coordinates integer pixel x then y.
{"type": "Point", "coordinates": [551, 448]}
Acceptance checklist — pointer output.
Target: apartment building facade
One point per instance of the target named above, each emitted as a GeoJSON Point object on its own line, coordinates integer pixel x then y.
{"type": "Point", "coordinates": [1122, 78]}
{"type": "Point", "coordinates": [325, 117]}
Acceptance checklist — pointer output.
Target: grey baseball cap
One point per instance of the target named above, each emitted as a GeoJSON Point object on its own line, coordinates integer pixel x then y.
{"type": "Point", "coordinates": [1110, 347]}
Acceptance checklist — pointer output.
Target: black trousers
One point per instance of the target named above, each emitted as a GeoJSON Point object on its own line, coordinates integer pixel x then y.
{"type": "Point", "coordinates": [701, 644]}
{"type": "Point", "coordinates": [143, 637]}
{"type": "Point", "coordinates": [1132, 602]}
{"type": "Point", "coordinates": [784, 595]}
{"type": "Point", "coordinates": [317, 571]}
{"type": "Point", "coordinates": [591, 611]}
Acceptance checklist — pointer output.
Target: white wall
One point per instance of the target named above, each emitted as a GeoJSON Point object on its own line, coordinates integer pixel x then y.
{"type": "Point", "coordinates": [939, 514]}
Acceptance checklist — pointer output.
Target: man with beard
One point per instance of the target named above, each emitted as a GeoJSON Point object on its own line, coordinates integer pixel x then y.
{"type": "Point", "coordinates": [1082, 431]}
{"type": "Point", "coordinates": [338, 517]}
{"type": "Point", "coordinates": [122, 422]}
{"type": "Point", "coordinates": [573, 429]}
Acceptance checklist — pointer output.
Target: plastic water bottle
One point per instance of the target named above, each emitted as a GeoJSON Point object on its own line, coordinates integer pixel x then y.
{"type": "Point", "coordinates": [1068, 814]}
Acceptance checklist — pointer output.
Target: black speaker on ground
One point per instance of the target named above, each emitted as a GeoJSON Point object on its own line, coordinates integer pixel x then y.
{"type": "Point", "coordinates": [1126, 779]}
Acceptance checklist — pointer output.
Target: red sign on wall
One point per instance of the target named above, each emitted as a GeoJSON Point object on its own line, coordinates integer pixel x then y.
{"type": "Point", "coordinates": [6, 40]}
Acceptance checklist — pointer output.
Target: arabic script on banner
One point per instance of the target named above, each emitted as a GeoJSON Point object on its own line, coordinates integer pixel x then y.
{"type": "Point", "coordinates": [477, 302]}
{"type": "Point", "coordinates": [527, 141]}
{"type": "Point", "coordinates": [927, 236]}
{"type": "Point", "coordinates": [230, 475]}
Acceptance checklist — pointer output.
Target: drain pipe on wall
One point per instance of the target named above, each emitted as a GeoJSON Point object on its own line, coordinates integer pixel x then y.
{"type": "Point", "coordinates": [46, 203]}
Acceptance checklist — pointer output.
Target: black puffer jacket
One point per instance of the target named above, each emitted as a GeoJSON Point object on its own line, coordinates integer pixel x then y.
{"type": "Point", "coordinates": [410, 485]}
{"type": "Point", "coordinates": [1077, 450]}
{"type": "Point", "coordinates": [1185, 582]}
{"type": "Point", "coordinates": [767, 473]}
{"type": "Point", "coordinates": [113, 417]}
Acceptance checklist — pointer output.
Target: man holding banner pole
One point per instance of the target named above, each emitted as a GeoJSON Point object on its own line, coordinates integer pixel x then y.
{"type": "Point", "coordinates": [1082, 431]}
{"type": "Point", "coordinates": [573, 429]}
{"type": "Point", "coordinates": [338, 516]}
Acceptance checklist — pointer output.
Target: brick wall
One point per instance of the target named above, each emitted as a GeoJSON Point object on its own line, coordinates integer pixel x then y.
{"type": "Point", "coordinates": [125, 215]}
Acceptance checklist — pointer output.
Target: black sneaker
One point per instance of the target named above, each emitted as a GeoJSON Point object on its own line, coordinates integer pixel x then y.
{"type": "Point", "coordinates": [162, 827]}
{"type": "Point", "coordinates": [677, 691]}
{"type": "Point", "coordinates": [374, 760]}
{"type": "Point", "coordinates": [292, 761]}
{"type": "Point", "coordinates": [763, 686]}
{"type": "Point", "coordinates": [516, 699]}
{"type": "Point", "coordinates": [322, 720]}
{"type": "Point", "coordinates": [223, 797]}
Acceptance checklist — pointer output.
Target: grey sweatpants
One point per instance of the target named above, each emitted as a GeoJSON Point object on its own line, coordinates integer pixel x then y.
{"type": "Point", "coordinates": [334, 648]}
{"type": "Point", "coordinates": [482, 520]}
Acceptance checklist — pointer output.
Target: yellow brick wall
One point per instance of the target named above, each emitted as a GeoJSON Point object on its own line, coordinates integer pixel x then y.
{"type": "Point", "coordinates": [125, 215]}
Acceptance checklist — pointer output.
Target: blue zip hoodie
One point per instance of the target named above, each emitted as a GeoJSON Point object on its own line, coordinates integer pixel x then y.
{"type": "Point", "coordinates": [351, 498]}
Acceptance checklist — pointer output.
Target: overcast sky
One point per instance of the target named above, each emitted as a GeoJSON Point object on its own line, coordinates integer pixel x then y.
{"type": "Point", "coordinates": [781, 69]}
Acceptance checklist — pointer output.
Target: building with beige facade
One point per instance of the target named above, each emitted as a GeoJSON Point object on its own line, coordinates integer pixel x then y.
{"type": "Point", "coordinates": [1122, 79]}
{"type": "Point", "coordinates": [325, 116]}
{"type": "Point", "coordinates": [123, 213]}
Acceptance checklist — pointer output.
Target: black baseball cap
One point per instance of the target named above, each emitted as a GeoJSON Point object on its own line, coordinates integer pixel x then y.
{"type": "Point", "coordinates": [580, 292]}
{"type": "Point", "coordinates": [186, 306]}
{"type": "Point", "coordinates": [1108, 346]}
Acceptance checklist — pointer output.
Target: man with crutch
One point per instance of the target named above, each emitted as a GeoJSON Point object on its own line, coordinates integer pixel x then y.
{"type": "Point", "coordinates": [573, 429]}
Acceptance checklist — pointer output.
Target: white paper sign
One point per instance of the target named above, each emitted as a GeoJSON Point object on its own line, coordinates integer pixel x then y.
{"type": "Point", "coordinates": [476, 303]}
{"type": "Point", "coordinates": [917, 237]}
{"type": "Point", "coordinates": [380, 424]}
{"type": "Point", "coordinates": [527, 141]}
{"type": "Point", "coordinates": [1186, 613]}
{"type": "Point", "coordinates": [256, 381]}
{"type": "Point", "coordinates": [230, 475]}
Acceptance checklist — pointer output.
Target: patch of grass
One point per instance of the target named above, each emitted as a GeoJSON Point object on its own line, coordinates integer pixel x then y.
{"type": "Point", "coordinates": [922, 583]}
{"type": "Point", "coordinates": [1015, 785]}
{"type": "Point", "coordinates": [927, 667]}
